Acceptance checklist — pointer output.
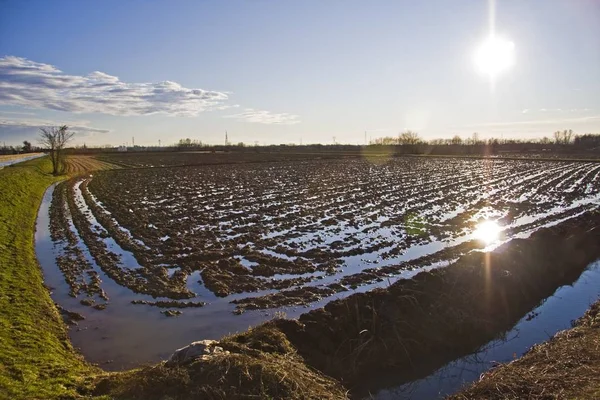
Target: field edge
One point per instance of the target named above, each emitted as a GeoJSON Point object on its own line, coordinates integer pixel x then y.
{"type": "Point", "coordinates": [37, 359]}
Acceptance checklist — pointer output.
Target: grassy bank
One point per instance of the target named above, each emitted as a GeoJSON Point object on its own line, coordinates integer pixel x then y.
{"type": "Point", "coordinates": [36, 357]}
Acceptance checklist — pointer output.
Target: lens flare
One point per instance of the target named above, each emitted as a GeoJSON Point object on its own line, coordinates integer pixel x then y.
{"type": "Point", "coordinates": [494, 56]}
{"type": "Point", "coordinates": [487, 232]}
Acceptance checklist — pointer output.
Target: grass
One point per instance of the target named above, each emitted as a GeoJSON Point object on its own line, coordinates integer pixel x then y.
{"type": "Point", "coordinates": [36, 357]}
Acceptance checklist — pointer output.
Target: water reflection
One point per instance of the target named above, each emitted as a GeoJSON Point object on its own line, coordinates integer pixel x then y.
{"type": "Point", "coordinates": [554, 314]}
{"type": "Point", "coordinates": [487, 232]}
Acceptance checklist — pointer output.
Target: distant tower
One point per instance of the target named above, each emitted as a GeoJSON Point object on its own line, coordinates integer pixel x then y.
{"type": "Point", "coordinates": [226, 139]}
{"type": "Point", "coordinates": [132, 141]}
{"type": "Point", "coordinates": [158, 142]}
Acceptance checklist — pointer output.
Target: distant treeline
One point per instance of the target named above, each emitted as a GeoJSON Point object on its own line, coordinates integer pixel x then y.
{"type": "Point", "coordinates": [26, 147]}
{"type": "Point", "coordinates": [408, 142]}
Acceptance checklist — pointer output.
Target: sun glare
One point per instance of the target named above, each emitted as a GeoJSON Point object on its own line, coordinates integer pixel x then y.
{"type": "Point", "coordinates": [494, 56]}
{"type": "Point", "coordinates": [487, 232]}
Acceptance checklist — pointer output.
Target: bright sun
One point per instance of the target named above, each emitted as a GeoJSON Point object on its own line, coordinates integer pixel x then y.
{"type": "Point", "coordinates": [494, 56]}
{"type": "Point", "coordinates": [487, 231]}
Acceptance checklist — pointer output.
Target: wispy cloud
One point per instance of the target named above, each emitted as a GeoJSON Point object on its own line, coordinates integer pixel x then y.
{"type": "Point", "coordinates": [31, 126]}
{"type": "Point", "coordinates": [555, 110]}
{"type": "Point", "coordinates": [37, 85]}
{"type": "Point", "coordinates": [16, 113]}
{"type": "Point", "coordinates": [538, 122]}
{"type": "Point", "coordinates": [266, 117]}
{"type": "Point", "coordinates": [537, 125]}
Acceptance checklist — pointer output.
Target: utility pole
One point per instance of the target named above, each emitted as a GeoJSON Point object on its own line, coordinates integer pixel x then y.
{"type": "Point", "coordinates": [132, 141]}
{"type": "Point", "coordinates": [158, 142]}
{"type": "Point", "coordinates": [365, 137]}
{"type": "Point", "coordinates": [226, 139]}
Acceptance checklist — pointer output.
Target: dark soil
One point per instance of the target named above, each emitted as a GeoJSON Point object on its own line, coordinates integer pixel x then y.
{"type": "Point", "coordinates": [257, 227]}
{"type": "Point", "coordinates": [405, 331]}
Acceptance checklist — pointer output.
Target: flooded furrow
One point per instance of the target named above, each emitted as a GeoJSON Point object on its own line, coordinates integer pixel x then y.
{"type": "Point", "coordinates": [156, 259]}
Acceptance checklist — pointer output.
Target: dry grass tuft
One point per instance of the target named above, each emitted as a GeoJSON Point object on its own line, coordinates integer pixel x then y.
{"type": "Point", "coordinates": [262, 365]}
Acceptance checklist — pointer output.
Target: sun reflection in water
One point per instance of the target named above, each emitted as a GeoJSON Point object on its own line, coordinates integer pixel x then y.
{"type": "Point", "coordinates": [488, 232]}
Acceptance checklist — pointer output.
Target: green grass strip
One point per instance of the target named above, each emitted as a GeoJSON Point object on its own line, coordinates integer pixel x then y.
{"type": "Point", "coordinates": [37, 360]}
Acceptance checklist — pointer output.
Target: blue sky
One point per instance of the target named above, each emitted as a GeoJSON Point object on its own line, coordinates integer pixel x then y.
{"type": "Point", "coordinates": [284, 71]}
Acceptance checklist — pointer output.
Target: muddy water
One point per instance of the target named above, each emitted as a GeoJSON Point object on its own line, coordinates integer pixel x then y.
{"type": "Point", "coordinates": [126, 335]}
{"type": "Point", "coordinates": [553, 315]}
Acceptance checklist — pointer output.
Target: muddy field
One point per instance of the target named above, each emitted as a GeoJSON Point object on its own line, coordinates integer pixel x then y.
{"type": "Point", "coordinates": [224, 240]}
{"type": "Point", "coordinates": [220, 157]}
{"type": "Point", "coordinates": [78, 164]}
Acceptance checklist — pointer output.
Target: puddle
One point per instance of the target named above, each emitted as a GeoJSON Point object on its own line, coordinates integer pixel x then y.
{"type": "Point", "coordinates": [126, 335]}
{"type": "Point", "coordinates": [553, 315]}
{"type": "Point", "coordinates": [129, 334]}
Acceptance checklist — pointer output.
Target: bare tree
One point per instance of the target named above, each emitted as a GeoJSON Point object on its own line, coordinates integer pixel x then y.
{"type": "Point", "coordinates": [456, 140]}
{"type": "Point", "coordinates": [408, 137]}
{"type": "Point", "coordinates": [563, 137]}
{"type": "Point", "coordinates": [55, 139]}
{"type": "Point", "coordinates": [568, 136]}
{"type": "Point", "coordinates": [557, 137]}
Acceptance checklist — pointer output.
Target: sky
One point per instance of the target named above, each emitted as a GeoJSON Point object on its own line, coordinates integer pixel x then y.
{"type": "Point", "coordinates": [279, 71]}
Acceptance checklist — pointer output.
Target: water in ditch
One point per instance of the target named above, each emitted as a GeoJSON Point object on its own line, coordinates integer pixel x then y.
{"type": "Point", "coordinates": [554, 314]}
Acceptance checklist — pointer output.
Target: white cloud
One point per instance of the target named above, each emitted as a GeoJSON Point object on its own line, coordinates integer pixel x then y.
{"type": "Point", "coordinates": [266, 117]}
{"type": "Point", "coordinates": [31, 126]}
{"type": "Point", "coordinates": [36, 85]}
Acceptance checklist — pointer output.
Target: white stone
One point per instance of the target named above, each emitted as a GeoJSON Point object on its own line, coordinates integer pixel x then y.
{"type": "Point", "coordinates": [203, 349]}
